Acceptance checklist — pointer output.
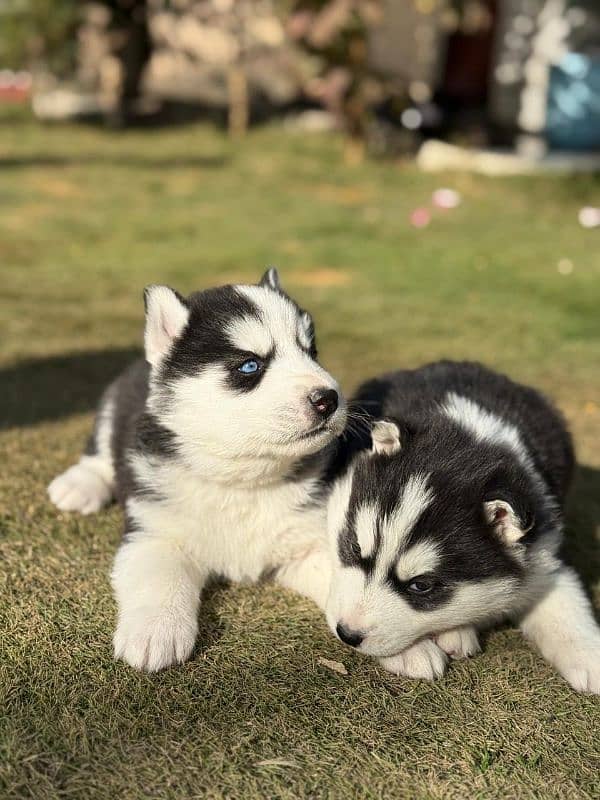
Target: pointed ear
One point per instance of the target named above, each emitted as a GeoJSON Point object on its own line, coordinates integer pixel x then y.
{"type": "Point", "coordinates": [505, 521]}
{"type": "Point", "coordinates": [385, 436]}
{"type": "Point", "coordinates": [307, 324]}
{"type": "Point", "coordinates": [166, 317]}
{"type": "Point", "coordinates": [270, 280]}
{"type": "Point", "coordinates": [306, 333]}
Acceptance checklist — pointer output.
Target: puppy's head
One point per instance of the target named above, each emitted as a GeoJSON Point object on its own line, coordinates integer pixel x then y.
{"type": "Point", "coordinates": [234, 372]}
{"type": "Point", "coordinates": [426, 534]}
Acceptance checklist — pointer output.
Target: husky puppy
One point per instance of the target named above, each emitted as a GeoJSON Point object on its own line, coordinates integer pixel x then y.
{"type": "Point", "coordinates": [453, 521]}
{"type": "Point", "coordinates": [215, 445]}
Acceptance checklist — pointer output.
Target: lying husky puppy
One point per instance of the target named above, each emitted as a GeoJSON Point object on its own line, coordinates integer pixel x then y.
{"type": "Point", "coordinates": [215, 446]}
{"type": "Point", "coordinates": [455, 519]}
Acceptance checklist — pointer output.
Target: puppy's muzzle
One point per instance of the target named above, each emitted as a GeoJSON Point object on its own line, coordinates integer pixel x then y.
{"type": "Point", "coordinates": [348, 636]}
{"type": "Point", "coordinates": [324, 402]}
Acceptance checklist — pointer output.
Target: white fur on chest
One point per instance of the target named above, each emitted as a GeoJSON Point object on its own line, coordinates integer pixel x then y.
{"type": "Point", "coordinates": [235, 532]}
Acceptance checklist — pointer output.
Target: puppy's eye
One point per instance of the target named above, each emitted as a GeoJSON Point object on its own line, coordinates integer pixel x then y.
{"type": "Point", "coordinates": [250, 367]}
{"type": "Point", "coordinates": [420, 586]}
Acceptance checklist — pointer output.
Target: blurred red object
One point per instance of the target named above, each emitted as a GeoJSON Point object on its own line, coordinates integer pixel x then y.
{"type": "Point", "coordinates": [15, 87]}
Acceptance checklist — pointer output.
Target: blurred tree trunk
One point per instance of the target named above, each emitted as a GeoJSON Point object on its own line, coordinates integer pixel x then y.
{"type": "Point", "coordinates": [239, 112]}
{"type": "Point", "coordinates": [130, 19]}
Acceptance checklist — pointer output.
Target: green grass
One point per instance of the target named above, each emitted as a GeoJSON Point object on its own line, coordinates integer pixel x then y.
{"type": "Point", "coordinates": [87, 218]}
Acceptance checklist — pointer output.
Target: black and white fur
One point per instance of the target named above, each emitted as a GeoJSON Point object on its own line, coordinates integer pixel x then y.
{"type": "Point", "coordinates": [216, 469]}
{"type": "Point", "coordinates": [453, 521]}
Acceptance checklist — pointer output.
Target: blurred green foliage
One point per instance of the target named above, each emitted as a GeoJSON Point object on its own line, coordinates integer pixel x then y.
{"type": "Point", "coordinates": [38, 31]}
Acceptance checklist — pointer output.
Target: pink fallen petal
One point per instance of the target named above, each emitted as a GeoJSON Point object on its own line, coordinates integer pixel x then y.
{"type": "Point", "coordinates": [420, 217]}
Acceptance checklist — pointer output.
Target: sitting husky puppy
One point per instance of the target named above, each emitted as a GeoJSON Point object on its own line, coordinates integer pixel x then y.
{"type": "Point", "coordinates": [453, 519]}
{"type": "Point", "coordinates": [215, 445]}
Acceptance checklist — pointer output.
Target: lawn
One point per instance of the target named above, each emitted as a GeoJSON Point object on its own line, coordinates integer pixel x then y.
{"type": "Point", "coordinates": [87, 218]}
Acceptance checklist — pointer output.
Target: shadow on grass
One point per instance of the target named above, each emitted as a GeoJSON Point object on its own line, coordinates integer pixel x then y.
{"type": "Point", "coordinates": [124, 160]}
{"type": "Point", "coordinates": [210, 625]}
{"type": "Point", "coordinates": [583, 519]}
{"type": "Point", "coordinates": [42, 389]}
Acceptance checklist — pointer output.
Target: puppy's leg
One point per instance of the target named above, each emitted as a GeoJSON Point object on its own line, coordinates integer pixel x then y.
{"type": "Point", "coordinates": [428, 658]}
{"type": "Point", "coordinates": [85, 487]}
{"type": "Point", "coordinates": [424, 660]}
{"type": "Point", "coordinates": [309, 576]}
{"type": "Point", "coordinates": [563, 628]}
{"type": "Point", "coordinates": [89, 485]}
{"type": "Point", "coordinates": [157, 587]}
{"type": "Point", "coordinates": [459, 642]}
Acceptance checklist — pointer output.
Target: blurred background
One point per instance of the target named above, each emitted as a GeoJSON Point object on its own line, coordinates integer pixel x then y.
{"type": "Point", "coordinates": [521, 73]}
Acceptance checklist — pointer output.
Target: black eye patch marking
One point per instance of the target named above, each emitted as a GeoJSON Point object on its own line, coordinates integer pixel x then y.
{"type": "Point", "coordinates": [240, 381]}
{"type": "Point", "coordinates": [421, 585]}
{"type": "Point", "coordinates": [432, 593]}
{"type": "Point", "coordinates": [204, 341]}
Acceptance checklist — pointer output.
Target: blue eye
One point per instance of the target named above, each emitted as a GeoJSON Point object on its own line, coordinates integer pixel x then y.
{"type": "Point", "coordinates": [249, 367]}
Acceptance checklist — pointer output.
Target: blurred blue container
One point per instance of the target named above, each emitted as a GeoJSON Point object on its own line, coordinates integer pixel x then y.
{"type": "Point", "coordinates": [573, 117]}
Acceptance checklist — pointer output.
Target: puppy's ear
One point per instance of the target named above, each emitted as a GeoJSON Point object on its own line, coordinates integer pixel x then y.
{"type": "Point", "coordinates": [306, 333]}
{"type": "Point", "coordinates": [166, 317]}
{"type": "Point", "coordinates": [506, 523]}
{"type": "Point", "coordinates": [270, 280]}
{"type": "Point", "coordinates": [385, 437]}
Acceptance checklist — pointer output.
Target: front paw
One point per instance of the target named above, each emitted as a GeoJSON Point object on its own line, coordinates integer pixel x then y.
{"type": "Point", "coordinates": [580, 667]}
{"type": "Point", "coordinates": [459, 642]}
{"type": "Point", "coordinates": [80, 489]}
{"type": "Point", "coordinates": [154, 638]}
{"type": "Point", "coordinates": [424, 660]}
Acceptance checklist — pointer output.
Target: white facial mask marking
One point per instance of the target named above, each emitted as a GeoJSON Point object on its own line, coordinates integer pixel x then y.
{"type": "Point", "coordinates": [278, 316]}
{"type": "Point", "coordinates": [366, 527]}
{"type": "Point", "coordinates": [250, 334]}
{"type": "Point", "coordinates": [421, 558]}
{"type": "Point", "coordinates": [416, 497]}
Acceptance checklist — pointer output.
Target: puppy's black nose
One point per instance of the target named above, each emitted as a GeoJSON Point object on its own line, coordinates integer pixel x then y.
{"type": "Point", "coordinates": [324, 401]}
{"type": "Point", "coordinates": [353, 638]}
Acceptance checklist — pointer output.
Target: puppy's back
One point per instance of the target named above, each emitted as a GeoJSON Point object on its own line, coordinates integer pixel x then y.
{"type": "Point", "coordinates": [413, 396]}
